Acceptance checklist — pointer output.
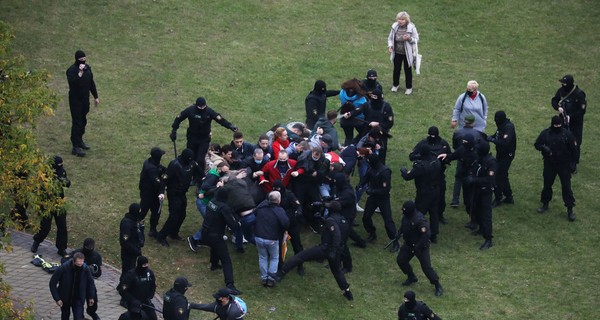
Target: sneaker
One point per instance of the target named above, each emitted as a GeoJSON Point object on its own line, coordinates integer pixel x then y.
{"type": "Point", "coordinates": [377, 210]}
{"type": "Point", "coordinates": [408, 91]}
{"type": "Point", "coordinates": [270, 283]}
{"type": "Point", "coordinates": [359, 209]}
{"type": "Point", "coordinates": [192, 244]}
{"type": "Point", "coordinates": [395, 88]}
{"type": "Point", "coordinates": [78, 152]}
{"type": "Point", "coordinates": [454, 205]}
{"type": "Point", "coordinates": [264, 282]}
{"type": "Point", "coordinates": [35, 246]}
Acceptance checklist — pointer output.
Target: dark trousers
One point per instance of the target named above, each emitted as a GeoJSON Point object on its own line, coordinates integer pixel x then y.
{"type": "Point", "coordinates": [576, 129]}
{"type": "Point", "coordinates": [296, 241]}
{"type": "Point", "coordinates": [481, 210]}
{"type": "Point", "coordinates": [79, 110]}
{"type": "Point", "coordinates": [307, 193]}
{"type": "Point", "coordinates": [399, 60]}
{"type": "Point", "coordinates": [383, 202]}
{"type": "Point", "coordinates": [91, 310]}
{"type": "Point", "coordinates": [459, 176]}
{"type": "Point", "coordinates": [502, 183]}
{"type": "Point", "coordinates": [76, 306]}
{"type": "Point", "coordinates": [406, 254]}
{"type": "Point", "coordinates": [149, 202]}
{"type": "Point", "coordinates": [442, 198]}
{"type": "Point", "coordinates": [219, 253]}
{"type": "Point", "coordinates": [318, 253]}
{"type": "Point", "coordinates": [148, 308]}
{"type": "Point", "coordinates": [127, 263]}
{"type": "Point", "coordinates": [349, 125]}
{"type": "Point", "coordinates": [200, 148]}
{"type": "Point", "coordinates": [60, 219]}
{"type": "Point", "coordinates": [564, 173]}
{"type": "Point", "coordinates": [177, 213]}
{"type": "Point", "coordinates": [427, 202]}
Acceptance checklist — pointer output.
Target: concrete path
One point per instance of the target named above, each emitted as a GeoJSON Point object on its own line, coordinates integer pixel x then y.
{"type": "Point", "coordinates": [30, 283]}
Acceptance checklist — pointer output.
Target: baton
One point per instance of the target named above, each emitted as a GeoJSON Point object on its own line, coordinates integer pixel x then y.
{"type": "Point", "coordinates": [151, 307]}
{"type": "Point", "coordinates": [390, 243]}
{"type": "Point", "coordinates": [160, 207]}
{"type": "Point", "coordinates": [175, 148]}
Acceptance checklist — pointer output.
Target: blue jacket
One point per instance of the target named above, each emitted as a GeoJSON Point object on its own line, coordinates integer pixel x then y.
{"type": "Point", "coordinates": [271, 221]}
{"type": "Point", "coordinates": [63, 279]}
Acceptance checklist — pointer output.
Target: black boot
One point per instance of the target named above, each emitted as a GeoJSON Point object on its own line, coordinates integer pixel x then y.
{"type": "Point", "coordinates": [395, 246]}
{"type": "Point", "coordinates": [570, 214]}
{"type": "Point", "coordinates": [300, 270]}
{"type": "Point", "coordinates": [486, 245]}
{"type": "Point", "coordinates": [543, 208]}
{"type": "Point", "coordinates": [438, 289]}
{"type": "Point", "coordinates": [496, 203]}
{"type": "Point", "coordinates": [348, 294]}
{"type": "Point", "coordinates": [35, 246]}
{"type": "Point", "coordinates": [411, 279]}
{"type": "Point", "coordinates": [372, 237]}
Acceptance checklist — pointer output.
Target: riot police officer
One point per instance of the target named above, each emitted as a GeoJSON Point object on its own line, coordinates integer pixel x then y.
{"type": "Point", "coordinates": [151, 179]}
{"type": "Point", "coordinates": [139, 286]}
{"type": "Point", "coordinates": [505, 140]}
{"type": "Point", "coordinates": [415, 232]}
{"type": "Point", "coordinates": [131, 239]}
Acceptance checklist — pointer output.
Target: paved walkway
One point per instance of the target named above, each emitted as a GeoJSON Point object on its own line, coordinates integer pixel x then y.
{"type": "Point", "coordinates": [30, 283]}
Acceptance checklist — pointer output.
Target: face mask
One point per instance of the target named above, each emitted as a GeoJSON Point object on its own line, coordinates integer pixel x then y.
{"type": "Point", "coordinates": [257, 161]}
{"type": "Point", "coordinates": [556, 129]}
{"type": "Point", "coordinates": [469, 93]}
{"type": "Point", "coordinates": [431, 139]}
{"type": "Point", "coordinates": [315, 159]}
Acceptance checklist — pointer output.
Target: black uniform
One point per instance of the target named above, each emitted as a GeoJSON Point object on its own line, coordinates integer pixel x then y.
{"type": "Point", "coordinates": [198, 132]}
{"type": "Point", "coordinates": [345, 195]}
{"type": "Point", "coordinates": [79, 98]}
{"type": "Point", "coordinates": [219, 215]}
{"type": "Point", "coordinates": [412, 309]}
{"type": "Point", "coordinates": [335, 232]}
{"type": "Point", "coordinates": [427, 173]}
{"type": "Point", "coordinates": [94, 261]}
{"type": "Point", "coordinates": [505, 140]}
{"type": "Point", "coordinates": [316, 102]}
{"type": "Point", "coordinates": [415, 232]}
{"type": "Point", "coordinates": [559, 148]}
{"type": "Point", "coordinates": [378, 110]}
{"type": "Point", "coordinates": [139, 286]}
{"type": "Point", "coordinates": [293, 209]}
{"type": "Point", "coordinates": [131, 239]}
{"type": "Point", "coordinates": [481, 181]}
{"type": "Point", "coordinates": [180, 173]}
{"type": "Point", "coordinates": [306, 186]}
{"type": "Point", "coordinates": [370, 83]}
{"type": "Point", "coordinates": [175, 304]}
{"type": "Point", "coordinates": [151, 180]}
{"type": "Point", "coordinates": [573, 101]}
{"type": "Point", "coordinates": [60, 216]}
{"type": "Point", "coordinates": [378, 180]}
{"type": "Point", "coordinates": [437, 146]}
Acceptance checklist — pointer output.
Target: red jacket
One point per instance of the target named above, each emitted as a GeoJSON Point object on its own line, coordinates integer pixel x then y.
{"type": "Point", "coordinates": [272, 174]}
{"type": "Point", "coordinates": [277, 146]}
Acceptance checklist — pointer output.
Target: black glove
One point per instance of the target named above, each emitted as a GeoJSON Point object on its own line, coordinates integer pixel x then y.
{"type": "Point", "coordinates": [573, 167]}
{"type": "Point", "coordinates": [403, 171]}
{"type": "Point", "coordinates": [369, 191]}
{"type": "Point", "coordinates": [298, 213]}
{"type": "Point", "coordinates": [492, 139]}
{"type": "Point", "coordinates": [173, 135]}
{"type": "Point", "coordinates": [233, 128]}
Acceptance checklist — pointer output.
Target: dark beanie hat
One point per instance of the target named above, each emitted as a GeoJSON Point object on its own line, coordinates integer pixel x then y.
{"type": "Point", "coordinates": [58, 160]}
{"type": "Point", "coordinates": [156, 153]}
{"type": "Point", "coordinates": [134, 209]}
{"type": "Point", "coordinates": [567, 79]}
{"type": "Point", "coordinates": [79, 54]}
{"type": "Point", "coordinates": [408, 207]}
{"type": "Point", "coordinates": [340, 179]}
{"type": "Point", "coordinates": [200, 102]}
{"type": "Point", "coordinates": [141, 260]}
{"type": "Point", "coordinates": [88, 243]}
{"type": "Point", "coordinates": [433, 131]}
{"type": "Point", "coordinates": [221, 293]}
{"type": "Point", "coordinates": [320, 86]}
{"type": "Point", "coordinates": [410, 295]}
{"type": "Point", "coordinates": [556, 120]}
{"type": "Point", "coordinates": [180, 284]}
{"type": "Point", "coordinates": [279, 185]}
{"type": "Point", "coordinates": [371, 73]}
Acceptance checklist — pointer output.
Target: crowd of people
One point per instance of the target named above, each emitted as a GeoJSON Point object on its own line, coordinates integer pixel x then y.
{"type": "Point", "coordinates": [299, 174]}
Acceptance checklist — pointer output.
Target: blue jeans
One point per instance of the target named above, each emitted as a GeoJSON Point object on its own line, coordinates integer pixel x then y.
{"type": "Point", "coordinates": [268, 257]}
{"type": "Point", "coordinates": [202, 209]}
{"type": "Point", "coordinates": [245, 231]}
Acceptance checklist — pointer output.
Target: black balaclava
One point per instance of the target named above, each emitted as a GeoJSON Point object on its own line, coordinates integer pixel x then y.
{"type": "Point", "coordinates": [88, 246]}
{"type": "Point", "coordinates": [340, 181]}
{"type": "Point", "coordinates": [278, 186]}
{"type": "Point", "coordinates": [424, 151]}
{"type": "Point", "coordinates": [181, 284]}
{"type": "Point", "coordinates": [186, 157]}
{"type": "Point", "coordinates": [320, 87]}
{"type": "Point", "coordinates": [377, 101]}
{"type": "Point", "coordinates": [483, 149]}
{"type": "Point", "coordinates": [156, 153]}
{"type": "Point", "coordinates": [556, 120]}
{"type": "Point", "coordinates": [567, 84]}
{"type": "Point", "coordinates": [433, 131]}
{"type": "Point", "coordinates": [373, 160]}
{"type": "Point", "coordinates": [469, 142]}
{"type": "Point", "coordinates": [221, 195]}
{"type": "Point", "coordinates": [139, 264]}
{"type": "Point", "coordinates": [134, 210]}
{"type": "Point", "coordinates": [500, 118]}
{"type": "Point", "coordinates": [57, 166]}
{"type": "Point", "coordinates": [408, 208]}
{"type": "Point", "coordinates": [79, 54]}
{"type": "Point", "coordinates": [412, 300]}
{"type": "Point", "coordinates": [371, 82]}
{"type": "Point", "coordinates": [200, 102]}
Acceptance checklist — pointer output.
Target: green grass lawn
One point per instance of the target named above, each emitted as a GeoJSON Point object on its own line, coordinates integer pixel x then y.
{"type": "Point", "coordinates": [255, 61]}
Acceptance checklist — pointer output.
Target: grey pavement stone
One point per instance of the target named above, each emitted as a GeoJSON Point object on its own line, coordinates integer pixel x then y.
{"type": "Point", "coordinates": [30, 283]}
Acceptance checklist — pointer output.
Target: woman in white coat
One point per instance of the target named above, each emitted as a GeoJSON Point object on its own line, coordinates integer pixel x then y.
{"type": "Point", "coordinates": [402, 46]}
